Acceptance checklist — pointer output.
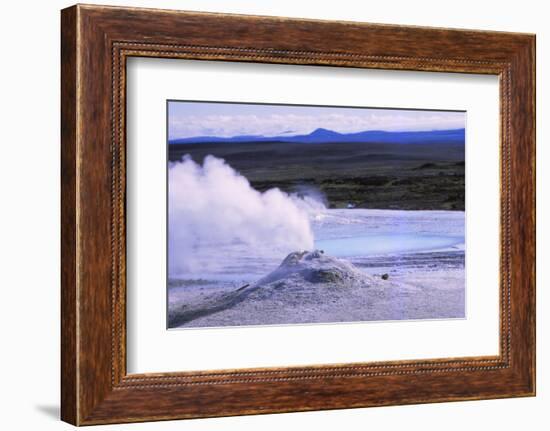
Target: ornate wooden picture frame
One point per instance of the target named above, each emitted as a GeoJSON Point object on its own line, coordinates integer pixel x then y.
{"type": "Point", "coordinates": [96, 41]}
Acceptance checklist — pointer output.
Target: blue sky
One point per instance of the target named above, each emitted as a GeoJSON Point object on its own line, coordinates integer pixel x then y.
{"type": "Point", "coordinates": [190, 119]}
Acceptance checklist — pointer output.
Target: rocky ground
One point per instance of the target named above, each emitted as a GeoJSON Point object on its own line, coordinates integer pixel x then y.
{"type": "Point", "coordinates": [312, 287]}
{"type": "Point", "coordinates": [359, 175]}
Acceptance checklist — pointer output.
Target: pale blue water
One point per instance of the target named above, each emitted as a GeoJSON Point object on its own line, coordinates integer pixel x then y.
{"type": "Point", "coordinates": [375, 239]}
{"type": "Point", "coordinates": [369, 245]}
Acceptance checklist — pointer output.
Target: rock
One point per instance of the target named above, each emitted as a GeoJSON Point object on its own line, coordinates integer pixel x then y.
{"type": "Point", "coordinates": [322, 276]}
{"type": "Point", "coordinates": [316, 267]}
{"type": "Point", "coordinates": [303, 277]}
{"type": "Point", "coordinates": [385, 276]}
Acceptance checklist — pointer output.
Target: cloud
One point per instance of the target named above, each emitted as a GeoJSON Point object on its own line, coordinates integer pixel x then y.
{"type": "Point", "coordinates": [350, 120]}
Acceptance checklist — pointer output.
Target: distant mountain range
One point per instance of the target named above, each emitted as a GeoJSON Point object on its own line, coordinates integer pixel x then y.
{"type": "Point", "coordinates": [324, 136]}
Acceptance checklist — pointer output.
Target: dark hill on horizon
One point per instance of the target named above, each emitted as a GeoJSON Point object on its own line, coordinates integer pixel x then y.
{"type": "Point", "coordinates": [325, 136]}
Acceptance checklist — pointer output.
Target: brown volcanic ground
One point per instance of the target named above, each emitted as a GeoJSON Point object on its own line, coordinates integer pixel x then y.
{"type": "Point", "coordinates": [367, 175]}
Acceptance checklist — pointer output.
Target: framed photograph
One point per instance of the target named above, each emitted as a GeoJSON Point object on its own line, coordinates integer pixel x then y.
{"type": "Point", "coordinates": [264, 215]}
{"type": "Point", "coordinates": [275, 219]}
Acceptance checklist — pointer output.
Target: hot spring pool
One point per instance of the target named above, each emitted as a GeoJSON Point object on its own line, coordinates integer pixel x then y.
{"type": "Point", "coordinates": [387, 243]}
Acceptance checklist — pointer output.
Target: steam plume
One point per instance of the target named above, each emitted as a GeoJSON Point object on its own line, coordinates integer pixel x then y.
{"type": "Point", "coordinates": [214, 210]}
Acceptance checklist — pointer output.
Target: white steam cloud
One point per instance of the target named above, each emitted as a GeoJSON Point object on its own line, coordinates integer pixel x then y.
{"type": "Point", "coordinates": [213, 210]}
